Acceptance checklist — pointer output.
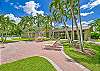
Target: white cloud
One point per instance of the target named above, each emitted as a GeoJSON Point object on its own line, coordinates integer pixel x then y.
{"type": "Point", "coordinates": [91, 4]}
{"type": "Point", "coordinates": [85, 6]}
{"type": "Point", "coordinates": [31, 8]}
{"type": "Point", "coordinates": [12, 17]}
{"type": "Point", "coordinates": [85, 14]}
{"type": "Point", "coordinates": [20, 6]}
{"type": "Point", "coordinates": [17, 7]}
{"type": "Point", "coordinates": [85, 23]}
{"type": "Point", "coordinates": [11, 3]}
{"type": "Point", "coordinates": [90, 21]}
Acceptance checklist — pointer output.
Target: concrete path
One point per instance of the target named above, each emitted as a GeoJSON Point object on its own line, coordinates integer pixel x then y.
{"type": "Point", "coordinates": [97, 43]}
{"type": "Point", "coordinates": [22, 49]}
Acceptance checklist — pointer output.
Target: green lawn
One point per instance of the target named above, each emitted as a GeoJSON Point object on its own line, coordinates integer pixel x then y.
{"type": "Point", "coordinates": [23, 39]}
{"type": "Point", "coordinates": [18, 39]}
{"type": "Point", "coordinates": [91, 62]}
{"type": "Point", "coordinates": [98, 40]}
{"type": "Point", "coordinates": [29, 64]}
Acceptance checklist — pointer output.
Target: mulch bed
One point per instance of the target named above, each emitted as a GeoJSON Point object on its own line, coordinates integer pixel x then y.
{"type": "Point", "coordinates": [87, 51]}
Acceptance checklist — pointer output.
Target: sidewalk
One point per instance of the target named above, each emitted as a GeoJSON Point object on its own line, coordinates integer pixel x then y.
{"type": "Point", "coordinates": [20, 50]}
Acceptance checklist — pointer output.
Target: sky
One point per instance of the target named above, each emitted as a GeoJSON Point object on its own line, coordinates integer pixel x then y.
{"type": "Point", "coordinates": [90, 9]}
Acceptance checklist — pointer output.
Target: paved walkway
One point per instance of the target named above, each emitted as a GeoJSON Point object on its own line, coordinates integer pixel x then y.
{"type": "Point", "coordinates": [20, 50]}
{"type": "Point", "coordinates": [97, 43]}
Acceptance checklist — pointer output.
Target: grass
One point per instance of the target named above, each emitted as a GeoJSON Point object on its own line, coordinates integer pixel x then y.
{"type": "Point", "coordinates": [98, 40]}
{"type": "Point", "coordinates": [18, 39]}
{"type": "Point", "coordinates": [29, 64]}
{"type": "Point", "coordinates": [91, 62]}
{"type": "Point", "coordinates": [23, 39]}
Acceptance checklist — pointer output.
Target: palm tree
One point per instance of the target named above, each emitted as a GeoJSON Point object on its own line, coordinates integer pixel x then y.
{"type": "Point", "coordinates": [59, 13]}
{"type": "Point", "coordinates": [81, 34]}
{"type": "Point", "coordinates": [39, 21]}
{"type": "Point", "coordinates": [5, 27]}
{"type": "Point", "coordinates": [60, 10]}
{"type": "Point", "coordinates": [26, 25]}
{"type": "Point", "coordinates": [48, 25]}
{"type": "Point", "coordinates": [75, 22]}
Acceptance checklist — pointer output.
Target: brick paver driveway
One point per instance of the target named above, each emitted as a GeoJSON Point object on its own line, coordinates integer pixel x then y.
{"type": "Point", "coordinates": [22, 49]}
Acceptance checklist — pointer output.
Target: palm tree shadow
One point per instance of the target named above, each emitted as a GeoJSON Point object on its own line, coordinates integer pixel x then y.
{"type": "Point", "coordinates": [52, 49]}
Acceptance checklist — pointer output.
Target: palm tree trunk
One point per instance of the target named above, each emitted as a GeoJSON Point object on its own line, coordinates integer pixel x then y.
{"type": "Point", "coordinates": [66, 32]}
{"type": "Point", "coordinates": [2, 38]}
{"type": "Point", "coordinates": [80, 24]}
{"type": "Point", "coordinates": [72, 36]}
{"type": "Point", "coordinates": [75, 22]}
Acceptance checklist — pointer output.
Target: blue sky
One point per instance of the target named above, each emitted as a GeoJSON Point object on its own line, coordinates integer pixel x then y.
{"type": "Point", "coordinates": [90, 9]}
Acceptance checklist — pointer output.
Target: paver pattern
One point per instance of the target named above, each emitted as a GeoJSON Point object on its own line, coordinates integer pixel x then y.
{"type": "Point", "coordinates": [19, 50]}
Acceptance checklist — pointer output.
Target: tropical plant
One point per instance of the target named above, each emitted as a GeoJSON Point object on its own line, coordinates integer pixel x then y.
{"type": "Point", "coordinates": [95, 35]}
{"type": "Point", "coordinates": [26, 25]}
{"type": "Point", "coordinates": [96, 25]}
{"type": "Point", "coordinates": [6, 27]}
{"type": "Point", "coordinates": [72, 6]}
{"type": "Point", "coordinates": [57, 8]}
{"type": "Point", "coordinates": [68, 9]}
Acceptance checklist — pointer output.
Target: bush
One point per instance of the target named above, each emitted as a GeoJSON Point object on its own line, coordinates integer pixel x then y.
{"type": "Point", "coordinates": [95, 35]}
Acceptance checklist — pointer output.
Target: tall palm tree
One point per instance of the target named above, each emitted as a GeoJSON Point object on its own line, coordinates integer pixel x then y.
{"type": "Point", "coordinates": [75, 22]}
{"type": "Point", "coordinates": [58, 11]}
{"type": "Point", "coordinates": [62, 8]}
{"type": "Point", "coordinates": [81, 34]}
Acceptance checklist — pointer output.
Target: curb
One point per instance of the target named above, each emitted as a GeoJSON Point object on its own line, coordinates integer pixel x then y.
{"type": "Point", "coordinates": [54, 64]}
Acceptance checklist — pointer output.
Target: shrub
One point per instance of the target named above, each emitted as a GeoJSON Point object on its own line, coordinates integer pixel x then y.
{"type": "Point", "coordinates": [95, 35]}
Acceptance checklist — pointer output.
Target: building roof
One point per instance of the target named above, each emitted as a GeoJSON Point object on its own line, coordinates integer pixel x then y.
{"type": "Point", "coordinates": [70, 29]}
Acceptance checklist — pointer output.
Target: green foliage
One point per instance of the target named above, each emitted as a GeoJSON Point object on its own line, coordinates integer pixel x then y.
{"type": "Point", "coordinates": [29, 64]}
{"type": "Point", "coordinates": [27, 25]}
{"type": "Point", "coordinates": [7, 27]}
{"type": "Point", "coordinates": [96, 25]}
{"type": "Point", "coordinates": [95, 35]}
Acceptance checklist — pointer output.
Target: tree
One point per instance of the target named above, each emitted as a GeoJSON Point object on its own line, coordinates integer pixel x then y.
{"type": "Point", "coordinates": [59, 13]}
{"type": "Point", "coordinates": [6, 27]}
{"type": "Point", "coordinates": [26, 25]}
{"type": "Point", "coordinates": [68, 9]}
{"type": "Point", "coordinates": [75, 22]}
{"type": "Point", "coordinates": [47, 26]}
{"type": "Point", "coordinates": [96, 25]}
{"type": "Point", "coordinates": [81, 34]}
